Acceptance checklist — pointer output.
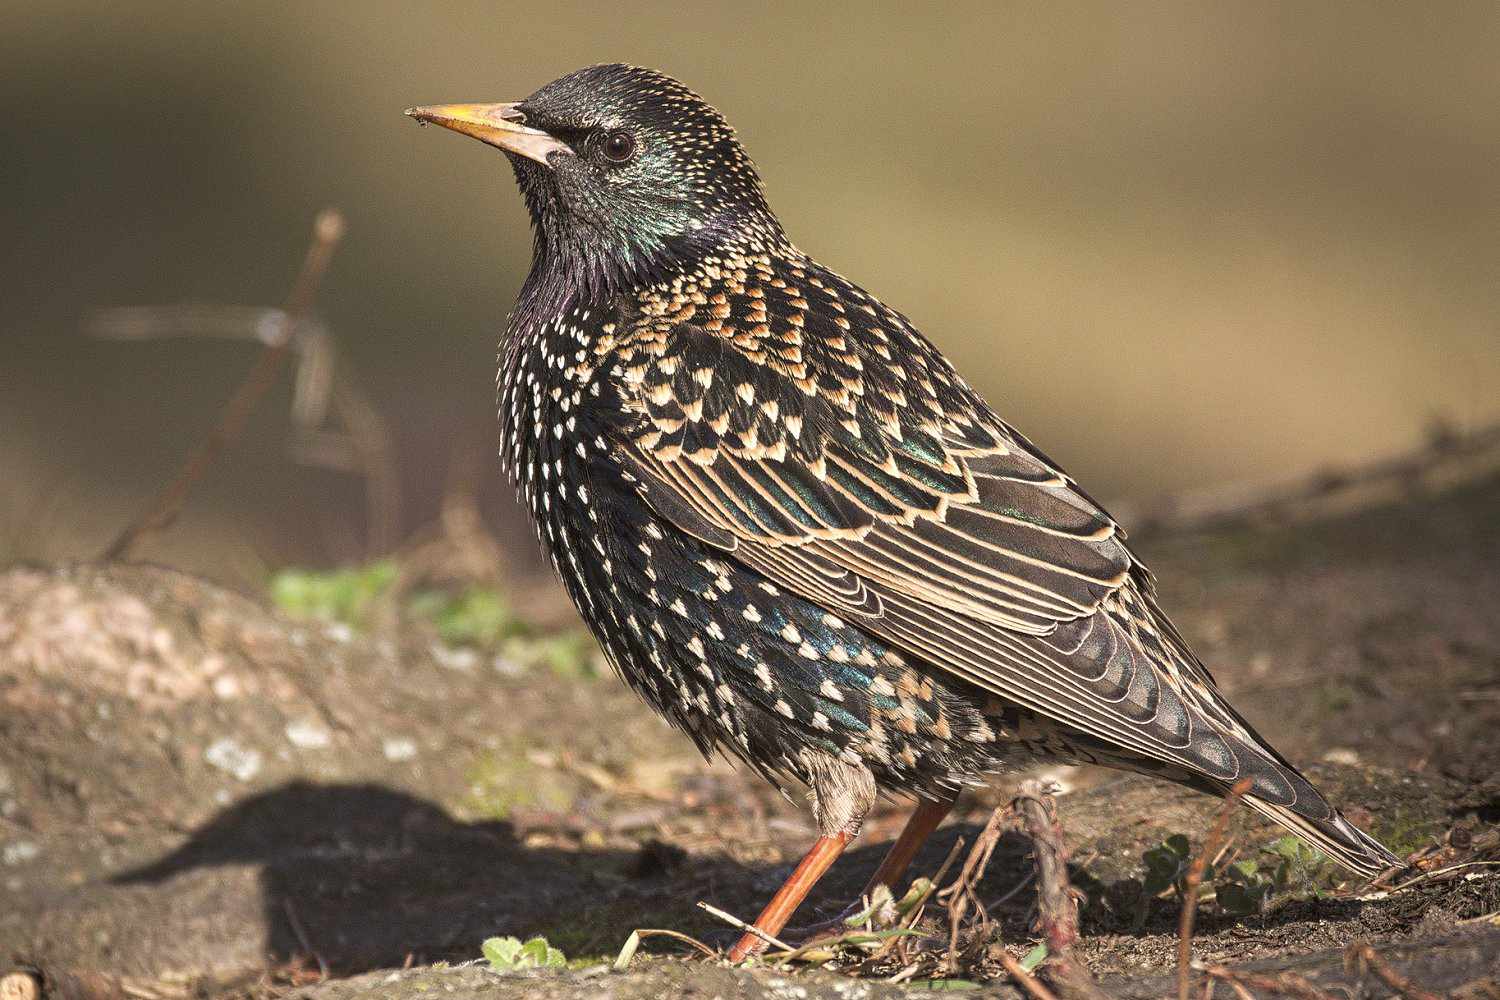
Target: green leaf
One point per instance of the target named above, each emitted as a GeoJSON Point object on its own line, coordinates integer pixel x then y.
{"type": "Point", "coordinates": [1034, 957]}
{"type": "Point", "coordinates": [501, 952]}
{"type": "Point", "coordinates": [920, 888]}
{"type": "Point", "coordinates": [507, 954]}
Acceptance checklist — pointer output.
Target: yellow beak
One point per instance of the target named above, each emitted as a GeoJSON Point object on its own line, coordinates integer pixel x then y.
{"type": "Point", "coordinates": [499, 125]}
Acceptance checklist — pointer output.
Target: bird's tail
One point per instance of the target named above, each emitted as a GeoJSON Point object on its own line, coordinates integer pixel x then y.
{"type": "Point", "coordinates": [1334, 835]}
{"type": "Point", "coordinates": [1281, 793]}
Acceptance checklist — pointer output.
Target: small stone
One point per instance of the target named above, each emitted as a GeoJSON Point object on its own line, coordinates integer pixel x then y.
{"type": "Point", "coordinates": [19, 986]}
{"type": "Point", "coordinates": [226, 686]}
{"type": "Point", "coordinates": [339, 632]}
{"type": "Point", "coordinates": [461, 659]}
{"type": "Point", "coordinates": [308, 734]}
{"type": "Point", "coordinates": [507, 666]}
{"type": "Point", "coordinates": [19, 852]}
{"type": "Point", "coordinates": [227, 755]}
{"type": "Point", "coordinates": [399, 748]}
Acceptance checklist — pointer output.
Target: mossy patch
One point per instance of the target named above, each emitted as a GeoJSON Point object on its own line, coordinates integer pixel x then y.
{"type": "Point", "coordinates": [504, 780]}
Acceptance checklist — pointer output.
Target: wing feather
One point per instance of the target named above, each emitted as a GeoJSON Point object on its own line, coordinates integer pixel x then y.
{"type": "Point", "coordinates": [910, 507]}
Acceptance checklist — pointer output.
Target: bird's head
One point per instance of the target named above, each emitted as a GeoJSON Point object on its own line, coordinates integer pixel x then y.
{"type": "Point", "coordinates": [626, 172]}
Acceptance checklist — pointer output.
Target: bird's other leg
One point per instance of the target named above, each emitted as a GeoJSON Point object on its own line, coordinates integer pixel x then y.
{"type": "Point", "coordinates": [919, 826]}
{"type": "Point", "coordinates": [842, 794]}
{"type": "Point", "coordinates": [924, 820]}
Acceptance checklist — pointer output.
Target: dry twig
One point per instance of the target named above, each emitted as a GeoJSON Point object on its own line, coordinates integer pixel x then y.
{"type": "Point", "coordinates": [959, 896]}
{"type": "Point", "coordinates": [1194, 879]}
{"type": "Point", "coordinates": [737, 923]}
{"type": "Point", "coordinates": [1057, 900]}
{"type": "Point", "coordinates": [1361, 956]}
{"type": "Point", "coordinates": [328, 229]}
{"type": "Point", "coordinates": [1024, 979]}
{"type": "Point", "coordinates": [1287, 984]}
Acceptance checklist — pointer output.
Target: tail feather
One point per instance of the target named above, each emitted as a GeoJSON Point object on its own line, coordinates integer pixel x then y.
{"type": "Point", "coordinates": [1335, 836]}
{"type": "Point", "coordinates": [1278, 791]}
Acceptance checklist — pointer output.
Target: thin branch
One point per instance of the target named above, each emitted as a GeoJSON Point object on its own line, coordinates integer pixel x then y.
{"type": "Point", "coordinates": [1448, 454]}
{"type": "Point", "coordinates": [1287, 984]}
{"type": "Point", "coordinates": [1057, 900]}
{"type": "Point", "coordinates": [736, 922]}
{"type": "Point", "coordinates": [328, 229]}
{"type": "Point", "coordinates": [1194, 879]}
{"type": "Point", "coordinates": [1361, 955]}
{"type": "Point", "coordinates": [1026, 980]}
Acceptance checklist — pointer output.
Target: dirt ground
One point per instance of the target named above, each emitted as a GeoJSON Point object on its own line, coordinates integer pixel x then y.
{"type": "Point", "coordinates": [201, 798]}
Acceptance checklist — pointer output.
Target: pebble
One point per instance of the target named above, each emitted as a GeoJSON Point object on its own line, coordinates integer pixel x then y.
{"type": "Point", "coordinates": [507, 667]}
{"type": "Point", "coordinates": [340, 632]}
{"type": "Point", "coordinates": [308, 734]}
{"type": "Point", "coordinates": [399, 748]}
{"type": "Point", "coordinates": [227, 755]}
{"type": "Point", "coordinates": [461, 658]}
{"type": "Point", "coordinates": [19, 852]}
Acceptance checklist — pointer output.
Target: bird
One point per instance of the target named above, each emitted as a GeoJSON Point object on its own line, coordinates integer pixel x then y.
{"type": "Point", "coordinates": [793, 527]}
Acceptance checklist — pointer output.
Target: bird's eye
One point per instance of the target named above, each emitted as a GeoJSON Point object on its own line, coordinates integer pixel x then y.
{"type": "Point", "coordinates": [619, 147]}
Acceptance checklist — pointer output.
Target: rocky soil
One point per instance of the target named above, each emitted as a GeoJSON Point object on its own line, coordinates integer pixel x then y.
{"type": "Point", "coordinates": [199, 797]}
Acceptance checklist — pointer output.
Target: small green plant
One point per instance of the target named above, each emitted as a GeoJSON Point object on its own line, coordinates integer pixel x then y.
{"type": "Point", "coordinates": [477, 616]}
{"type": "Point", "coordinates": [567, 654]}
{"type": "Point", "coordinates": [341, 595]}
{"type": "Point", "coordinates": [1167, 865]}
{"type": "Point", "coordinates": [1243, 890]}
{"type": "Point", "coordinates": [1244, 887]}
{"type": "Point", "coordinates": [508, 954]}
{"type": "Point", "coordinates": [1299, 869]}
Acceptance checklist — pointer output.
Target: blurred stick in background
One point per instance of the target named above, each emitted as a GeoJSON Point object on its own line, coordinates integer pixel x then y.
{"type": "Point", "coordinates": [1446, 458]}
{"type": "Point", "coordinates": [279, 331]}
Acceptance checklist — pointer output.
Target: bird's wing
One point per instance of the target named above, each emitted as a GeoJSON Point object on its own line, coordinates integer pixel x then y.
{"type": "Point", "coordinates": [814, 436]}
{"type": "Point", "coordinates": [881, 486]}
{"type": "Point", "coordinates": [869, 473]}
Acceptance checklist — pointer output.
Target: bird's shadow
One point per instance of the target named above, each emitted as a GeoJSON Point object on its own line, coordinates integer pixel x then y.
{"type": "Point", "coordinates": [360, 877]}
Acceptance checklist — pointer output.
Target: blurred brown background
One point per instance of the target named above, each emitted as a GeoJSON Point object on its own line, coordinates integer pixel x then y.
{"type": "Point", "coordinates": [1177, 246]}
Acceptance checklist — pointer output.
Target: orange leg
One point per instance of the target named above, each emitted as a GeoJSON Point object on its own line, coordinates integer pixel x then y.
{"type": "Point", "coordinates": [923, 821]}
{"type": "Point", "coordinates": [824, 853]}
{"type": "Point", "coordinates": [782, 905]}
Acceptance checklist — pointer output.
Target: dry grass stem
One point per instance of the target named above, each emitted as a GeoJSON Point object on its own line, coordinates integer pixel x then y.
{"type": "Point", "coordinates": [1285, 984]}
{"type": "Point", "coordinates": [736, 922]}
{"type": "Point", "coordinates": [1361, 956]}
{"type": "Point", "coordinates": [328, 230]}
{"type": "Point", "coordinates": [1211, 848]}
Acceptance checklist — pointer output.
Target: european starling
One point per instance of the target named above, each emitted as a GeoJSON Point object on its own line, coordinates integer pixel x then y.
{"type": "Point", "coordinates": [794, 529]}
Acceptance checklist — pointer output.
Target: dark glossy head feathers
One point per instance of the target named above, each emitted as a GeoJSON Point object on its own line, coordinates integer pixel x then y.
{"type": "Point", "coordinates": [655, 177]}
